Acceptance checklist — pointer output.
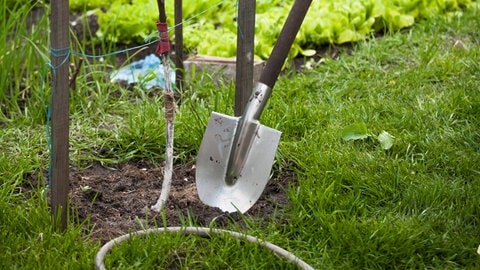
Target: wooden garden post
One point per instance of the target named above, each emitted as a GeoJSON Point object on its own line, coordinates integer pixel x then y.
{"type": "Point", "coordinates": [245, 53]}
{"type": "Point", "coordinates": [60, 52]}
{"type": "Point", "coordinates": [179, 69]}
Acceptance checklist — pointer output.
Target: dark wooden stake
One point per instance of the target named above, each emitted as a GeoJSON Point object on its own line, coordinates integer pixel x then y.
{"type": "Point", "coordinates": [245, 53]}
{"type": "Point", "coordinates": [179, 69]}
{"type": "Point", "coordinates": [59, 123]}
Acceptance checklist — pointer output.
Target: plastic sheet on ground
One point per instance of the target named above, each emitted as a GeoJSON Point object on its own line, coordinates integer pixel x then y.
{"type": "Point", "coordinates": [148, 72]}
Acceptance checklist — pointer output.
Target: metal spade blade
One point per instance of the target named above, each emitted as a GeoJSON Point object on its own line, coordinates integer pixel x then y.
{"type": "Point", "coordinates": [237, 153]}
{"type": "Point", "coordinates": [212, 186]}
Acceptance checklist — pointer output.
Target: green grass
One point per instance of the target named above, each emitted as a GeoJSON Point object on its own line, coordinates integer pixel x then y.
{"type": "Point", "coordinates": [20, 97]}
{"type": "Point", "coordinates": [193, 252]}
{"type": "Point", "coordinates": [414, 205]}
{"type": "Point", "coordinates": [355, 206]}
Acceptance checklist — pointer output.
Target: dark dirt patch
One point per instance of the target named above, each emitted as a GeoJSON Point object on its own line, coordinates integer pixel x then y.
{"type": "Point", "coordinates": [117, 199]}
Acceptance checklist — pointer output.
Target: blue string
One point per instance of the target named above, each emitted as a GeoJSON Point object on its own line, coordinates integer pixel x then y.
{"type": "Point", "coordinates": [55, 53]}
{"type": "Point", "coordinates": [58, 53]}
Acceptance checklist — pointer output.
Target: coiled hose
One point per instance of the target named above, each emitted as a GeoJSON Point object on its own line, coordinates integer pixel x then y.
{"type": "Point", "coordinates": [202, 231]}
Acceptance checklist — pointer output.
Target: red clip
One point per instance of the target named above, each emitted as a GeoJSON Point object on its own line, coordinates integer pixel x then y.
{"type": "Point", "coordinates": [164, 44]}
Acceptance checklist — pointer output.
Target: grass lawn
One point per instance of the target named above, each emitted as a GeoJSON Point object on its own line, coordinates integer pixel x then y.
{"type": "Point", "coordinates": [358, 204]}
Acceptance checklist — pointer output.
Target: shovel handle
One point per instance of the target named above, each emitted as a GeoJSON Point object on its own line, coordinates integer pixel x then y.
{"type": "Point", "coordinates": [284, 43]}
{"type": "Point", "coordinates": [248, 125]}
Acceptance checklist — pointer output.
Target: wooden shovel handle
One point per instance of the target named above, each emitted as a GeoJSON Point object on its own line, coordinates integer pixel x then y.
{"type": "Point", "coordinates": [284, 43]}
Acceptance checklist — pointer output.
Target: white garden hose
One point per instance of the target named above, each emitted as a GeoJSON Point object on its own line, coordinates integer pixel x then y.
{"type": "Point", "coordinates": [202, 231]}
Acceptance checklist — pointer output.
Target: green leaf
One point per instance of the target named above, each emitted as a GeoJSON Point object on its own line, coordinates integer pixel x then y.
{"type": "Point", "coordinates": [357, 131]}
{"type": "Point", "coordinates": [386, 140]}
{"type": "Point", "coordinates": [349, 35]}
{"type": "Point", "coordinates": [308, 53]}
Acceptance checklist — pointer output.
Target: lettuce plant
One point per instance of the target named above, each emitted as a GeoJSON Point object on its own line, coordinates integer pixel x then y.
{"type": "Point", "coordinates": [210, 25]}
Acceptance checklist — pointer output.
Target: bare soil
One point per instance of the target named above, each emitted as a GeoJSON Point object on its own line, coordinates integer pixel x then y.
{"type": "Point", "coordinates": [118, 199]}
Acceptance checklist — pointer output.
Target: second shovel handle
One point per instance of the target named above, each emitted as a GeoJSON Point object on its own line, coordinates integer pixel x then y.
{"type": "Point", "coordinates": [284, 43]}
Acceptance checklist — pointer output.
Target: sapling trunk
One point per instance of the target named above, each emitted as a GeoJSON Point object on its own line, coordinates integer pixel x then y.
{"type": "Point", "coordinates": [169, 117]}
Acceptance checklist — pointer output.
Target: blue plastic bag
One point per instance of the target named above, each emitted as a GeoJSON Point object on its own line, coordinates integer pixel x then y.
{"type": "Point", "coordinates": [148, 72]}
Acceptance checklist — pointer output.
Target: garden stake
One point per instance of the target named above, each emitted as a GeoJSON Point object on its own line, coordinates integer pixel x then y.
{"type": "Point", "coordinates": [179, 68]}
{"type": "Point", "coordinates": [163, 50]}
{"type": "Point", "coordinates": [60, 52]}
{"type": "Point", "coordinates": [245, 53]}
{"type": "Point", "coordinates": [236, 154]}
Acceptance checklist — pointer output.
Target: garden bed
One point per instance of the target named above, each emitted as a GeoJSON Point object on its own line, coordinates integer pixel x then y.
{"type": "Point", "coordinates": [118, 199]}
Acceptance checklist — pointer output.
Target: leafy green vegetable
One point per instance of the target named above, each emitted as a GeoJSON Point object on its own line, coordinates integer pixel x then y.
{"type": "Point", "coordinates": [81, 5]}
{"type": "Point", "coordinates": [126, 23]}
{"type": "Point", "coordinates": [210, 25]}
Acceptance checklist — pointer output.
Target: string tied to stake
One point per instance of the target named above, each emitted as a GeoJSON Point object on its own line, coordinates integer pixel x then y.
{"type": "Point", "coordinates": [59, 58]}
{"type": "Point", "coordinates": [164, 43]}
{"type": "Point", "coordinates": [62, 54]}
